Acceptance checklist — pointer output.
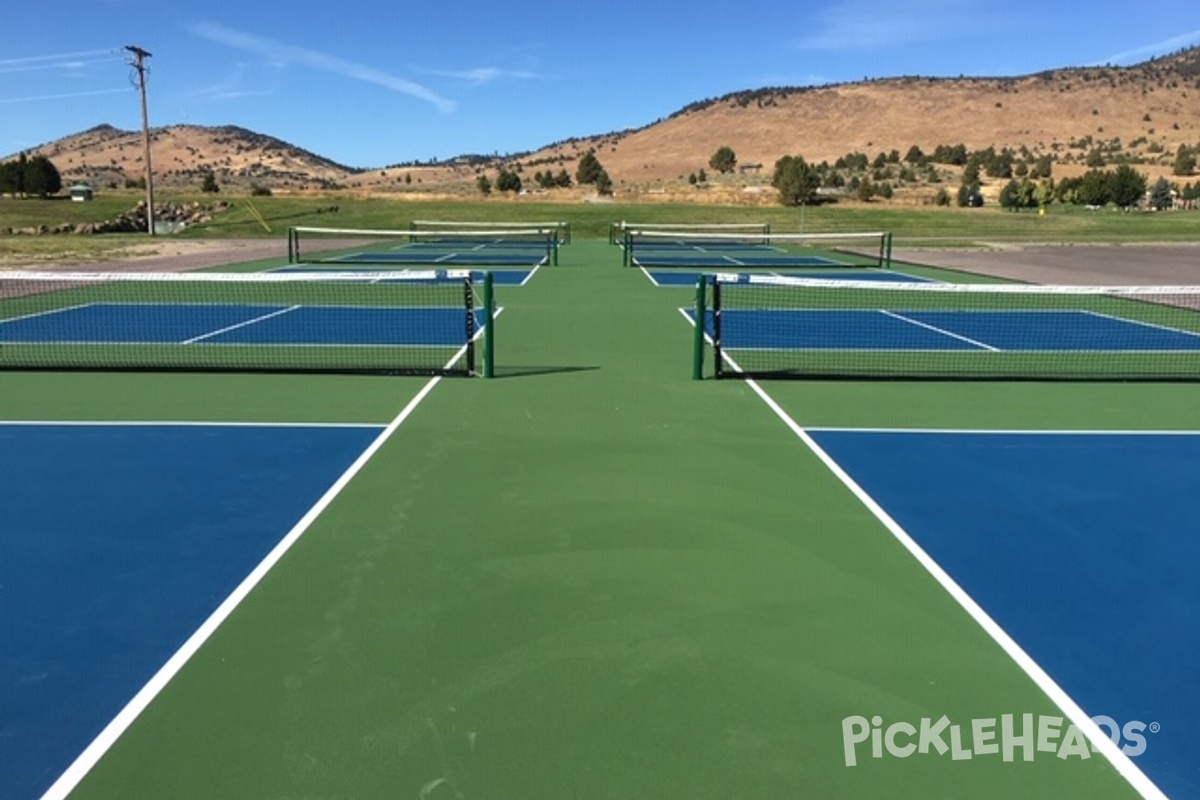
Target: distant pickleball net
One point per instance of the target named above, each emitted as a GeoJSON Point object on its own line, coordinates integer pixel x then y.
{"type": "Point", "coordinates": [357, 247]}
{"type": "Point", "coordinates": [386, 322]}
{"type": "Point", "coordinates": [561, 228]}
{"type": "Point", "coordinates": [737, 250]}
{"type": "Point", "coordinates": [617, 230]}
{"type": "Point", "coordinates": [772, 326]}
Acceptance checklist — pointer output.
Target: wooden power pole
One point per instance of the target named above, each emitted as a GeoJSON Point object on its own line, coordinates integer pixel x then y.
{"type": "Point", "coordinates": [139, 56]}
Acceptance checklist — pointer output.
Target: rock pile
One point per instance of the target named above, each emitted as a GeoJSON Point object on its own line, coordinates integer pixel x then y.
{"type": "Point", "coordinates": [169, 217]}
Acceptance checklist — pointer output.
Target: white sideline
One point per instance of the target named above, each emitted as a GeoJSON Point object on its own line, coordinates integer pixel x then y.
{"type": "Point", "coordinates": [1099, 741]}
{"type": "Point", "coordinates": [92, 754]}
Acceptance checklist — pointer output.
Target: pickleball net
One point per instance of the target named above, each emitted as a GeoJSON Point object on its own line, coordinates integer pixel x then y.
{"type": "Point", "coordinates": [377, 322]}
{"type": "Point", "coordinates": [617, 230]}
{"type": "Point", "coordinates": [562, 228]}
{"type": "Point", "coordinates": [354, 247]}
{"type": "Point", "coordinates": [735, 250]}
{"type": "Point", "coordinates": [777, 327]}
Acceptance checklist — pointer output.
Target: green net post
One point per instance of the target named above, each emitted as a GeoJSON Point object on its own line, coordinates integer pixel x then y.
{"type": "Point", "coordinates": [887, 251]}
{"type": "Point", "coordinates": [698, 334]}
{"type": "Point", "coordinates": [554, 248]}
{"type": "Point", "coordinates": [489, 316]}
{"type": "Point", "coordinates": [625, 259]}
{"type": "Point", "coordinates": [291, 245]}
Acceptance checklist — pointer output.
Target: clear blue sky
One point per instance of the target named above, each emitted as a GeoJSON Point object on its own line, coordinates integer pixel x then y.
{"type": "Point", "coordinates": [375, 82]}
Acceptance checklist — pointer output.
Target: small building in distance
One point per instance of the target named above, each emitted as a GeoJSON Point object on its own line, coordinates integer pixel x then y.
{"type": "Point", "coordinates": [81, 193]}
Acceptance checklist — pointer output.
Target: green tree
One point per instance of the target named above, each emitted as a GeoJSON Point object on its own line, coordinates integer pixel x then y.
{"type": "Point", "coordinates": [796, 181]}
{"type": "Point", "coordinates": [1094, 188]}
{"type": "Point", "coordinates": [1095, 158]}
{"type": "Point", "coordinates": [12, 178]}
{"type": "Point", "coordinates": [723, 160]}
{"type": "Point", "coordinates": [942, 198]}
{"type": "Point", "coordinates": [1128, 186]}
{"type": "Point", "coordinates": [1042, 168]}
{"type": "Point", "coordinates": [969, 196]}
{"type": "Point", "coordinates": [914, 155]}
{"type": "Point", "coordinates": [562, 179]}
{"type": "Point", "coordinates": [1185, 161]}
{"type": "Point", "coordinates": [604, 184]}
{"type": "Point", "coordinates": [208, 183]}
{"type": "Point", "coordinates": [589, 169]}
{"type": "Point", "coordinates": [1160, 194]}
{"type": "Point", "coordinates": [41, 177]}
{"type": "Point", "coordinates": [14, 175]}
{"type": "Point", "coordinates": [1017, 194]}
{"type": "Point", "coordinates": [1009, 195]}
{"type": "Point", "coordinates": [1044, 193]}
{"type": "Point", "coordinates": [508, 181]}
{"type": "Point", "coordinates": [999, 165]}
{"type": "Point", "coordinates": [865, 191]}
{"type": "Point", "coordinates": [950, 154]}
{"type": "Point", "coordinates": [970, 174]}
{"type": "Point", "coordinates": [484, 184]}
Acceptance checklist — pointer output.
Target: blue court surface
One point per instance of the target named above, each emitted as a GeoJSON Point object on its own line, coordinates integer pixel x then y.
{"type": "Point", "coordinates": [170, 323]}
{"type": "Point", "coordinates": [676, 278]}
{"type": "Point", "coordinates": [1082, 546]}
{"type": "Point", "coordinates": [500, 277]}
{"type": "Point", "coordinates": [1027, 331]}
{"type": "Point", "coordinates": [118, 541]}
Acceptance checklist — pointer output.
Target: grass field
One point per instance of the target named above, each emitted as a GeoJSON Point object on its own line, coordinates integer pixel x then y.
{"type": "Point", "coordinates": [594, 577]}
{"type": "Point", "coordinates": [951, 227]}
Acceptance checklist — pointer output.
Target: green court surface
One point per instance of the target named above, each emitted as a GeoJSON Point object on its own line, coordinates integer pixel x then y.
{"type": "Point", "coordinates": [591, 577]}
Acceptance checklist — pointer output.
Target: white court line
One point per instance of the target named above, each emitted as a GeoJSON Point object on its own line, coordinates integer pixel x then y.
{"type": "Point", "coordinates": [92, 754]}
{"type": "Point", "coordinates": [228, 328]}
{"type": "Point", "coordinates": [1099, 740]}
{"type": "Point", "coordinates": [1142, 323]}
{"type": "Point", "coordinates": [649, 277]}
{"type": "Point", "coordinates": [48, 312]}
{"type": "Point", "coordinates": [146, 423]}
{"type": "Point", "coordinates": [1006, 431]}
{"type": "Point", "coordinates": [1100, 743]}
{"type": "Point", "coordinates": [529, 277]}
{"type": "Point", "coordinates": [936, 329]}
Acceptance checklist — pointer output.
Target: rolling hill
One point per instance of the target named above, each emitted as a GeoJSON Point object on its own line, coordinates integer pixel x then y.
{"type": "Point", "coordinates": [1139, 114]}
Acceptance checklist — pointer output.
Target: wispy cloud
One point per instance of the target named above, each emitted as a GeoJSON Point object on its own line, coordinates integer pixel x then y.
{"type": "Point", "coordinates": [40, 97]}
{"type": "Point", "coordinates": [71, 65]}
{"type": "Point", "coordinates": [1151, 50]}
{"type": "Point", "coordinates": [864, 25]}
{"type": "Point", "coordinates": [26, 60]}
{"type": "Point", "coordinates": [283, 53]}
{"type": "Point", "coordinates": [233, 87]}
{"type": "Point", "coordinates": [480, 76]}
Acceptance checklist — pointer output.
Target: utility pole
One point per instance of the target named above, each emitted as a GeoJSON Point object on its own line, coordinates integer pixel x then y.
{"type": "Point", "coordinates": [138, 62]}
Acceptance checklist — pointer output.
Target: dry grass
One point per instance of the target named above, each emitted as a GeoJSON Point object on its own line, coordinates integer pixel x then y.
{"type": "Point", "coordinates": [1154, 104]}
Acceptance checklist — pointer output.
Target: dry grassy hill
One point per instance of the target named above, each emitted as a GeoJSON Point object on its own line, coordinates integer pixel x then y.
{"type": "Point", "coordinates": [1141, 113]}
